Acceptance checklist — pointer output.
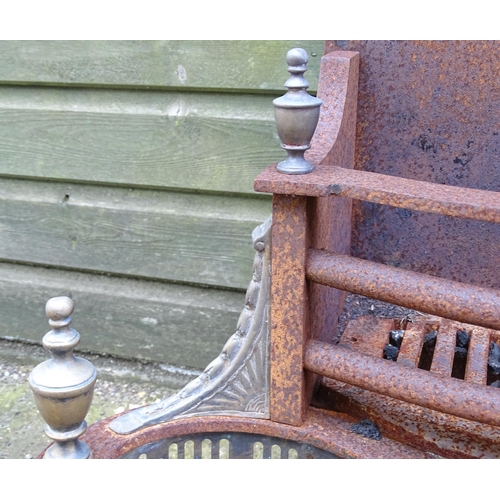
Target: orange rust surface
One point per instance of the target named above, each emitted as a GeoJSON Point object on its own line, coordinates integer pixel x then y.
{"type": "Point", "coordinates": [326, 430]}
{"type": "Point", "coordinates": [365, 335]}
{"type": "Point", "coordinates": [477, 357]}
{"type": "Point", "coordinates": [411, 346]}
{"type": "Point", "coordinates": [421, 426]}
{"type": "Point", "coordinates": [466, 303]}
{"type": "Point", "coordinates": [329, 219]}
{"type": "Point", "coordinates": [444, 352]}
{"type": "Point", "coordinates": [328, 180]}
{"type": "Point", "coordinates": [429, 390]}
{"type": "Point", "coordinates": [428, 110]}
{"type": "Point", "coordinates": [289, 309]}
{"type": "Point", "coordinates": [334, 139]}
{"type": "Point", "coordinates": [425, 429]}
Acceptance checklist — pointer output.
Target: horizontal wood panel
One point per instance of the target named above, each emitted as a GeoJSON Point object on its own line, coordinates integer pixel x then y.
{"type": "Point", "coordinates": [173, 324]}
{"type": "Point", "coordinates": [241, 65]}
{"type": "Point", "coordinates": [189, 141]}
{"type": "Point", "coordinates": [156, 234]}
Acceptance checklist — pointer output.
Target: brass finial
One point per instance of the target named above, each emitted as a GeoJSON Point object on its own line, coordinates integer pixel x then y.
{"type": "Point", "coordinates": [64, 385]}
{"type": "Point", "coordinates": [296, 115]}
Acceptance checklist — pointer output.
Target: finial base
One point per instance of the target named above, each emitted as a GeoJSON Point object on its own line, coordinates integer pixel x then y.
{"type": "Point", "coordinates": [68, 449]}
{"type": "Point", "coordinates": [295, 163]}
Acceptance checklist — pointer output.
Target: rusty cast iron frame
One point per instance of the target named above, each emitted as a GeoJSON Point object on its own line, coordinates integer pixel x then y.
{"type": "Point", "coordinates": [310, 243]}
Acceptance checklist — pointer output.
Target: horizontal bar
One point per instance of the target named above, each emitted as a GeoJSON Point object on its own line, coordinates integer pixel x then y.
{"type": "Point", "coordinates": [448, 395]}
{"type": "Point", "coordinates": [449, 299]}
{"type": "Point", "coordinates": [327, 180]}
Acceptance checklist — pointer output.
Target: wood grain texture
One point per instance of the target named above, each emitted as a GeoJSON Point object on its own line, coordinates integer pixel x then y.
{"type": "Point", "coordinates": [143, 233]}
{"type": "Point", "coordinates": [174, 324]}
{"type": "Point", "coordinates": [143, 138]}
{"type": "Point", "coordinates": [187, 141]}
{"type": "Point", "coordinates": [234, 65]}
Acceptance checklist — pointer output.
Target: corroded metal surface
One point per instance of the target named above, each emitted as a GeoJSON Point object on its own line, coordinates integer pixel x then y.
{"type": "Point", "coordinates": [225, 445]}
{"type": "Point", "coordinates": [330, 226]}
{"type": "Point", "coordinates": [429, 390]}
{"type": "Point", "coordinates": [328, 431]}
{"type": "Point", "coordinates": [408, 194]}
{"type": "Point", "coordinates": [425, 429]}
{"type": "Point", "coordinates": [428, 110]}
{"type": "Point", "coordinates": [363, 335]}
{"type": "Point", "coordinates": [467, 303]}
{"type": "Point", "coordinates": [477, 356]}
{"type": "Point", "coordinates": [289, 309]}
{"type": "Point", "coordinates": [333, 143]}
{"type": "Point", "coordinates": [411, 348]}
{"type": "Point", "coordinates": [237, 381]}
{"type": "Point", "coordinates": [449, 436]}
{"type": "Point", "coordinates": [444, 352]}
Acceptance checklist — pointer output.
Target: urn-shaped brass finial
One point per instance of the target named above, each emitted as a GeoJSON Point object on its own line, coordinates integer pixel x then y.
{"type": "Point", "coordinates": [296, 114]}
{"type": "Point", "coordinates": [64, 385]}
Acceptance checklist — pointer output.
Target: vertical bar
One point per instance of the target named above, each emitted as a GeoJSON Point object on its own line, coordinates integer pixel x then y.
{"type": "Point", "coordinates": [411, 347]}
{"type": "Point", "coordinates": [215, 448]}
{"type": "Point", "coordinates": [329, 218]}
{"type": "Point", "coordinates": [333, 144]}
{"type": "Point", "coordinates": [476, 369]}
{"type": "Point", "coordinates": [289, 309]}
{"type": "Point", "coordinates": [197, 447]}
{"type": "Point", "coordinates": [444, 352]}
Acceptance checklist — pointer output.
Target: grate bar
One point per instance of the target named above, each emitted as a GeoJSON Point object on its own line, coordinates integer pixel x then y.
{"type": "Point", "coordinates": [411, 347]}
{"type": "Point", "coordinates": [477, 358]}
{"type": "Point", "coordinates": [444, 353]}
{"type": "Point", "coordinates": [430, 390]}
{"type": "Point", "coordinates": [465, 303]}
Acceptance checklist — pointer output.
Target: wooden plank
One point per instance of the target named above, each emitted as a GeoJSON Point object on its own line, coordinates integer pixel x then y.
{"type": "Point", "coordinates": [211, 142]}
{"type": "Point", "coordinates": [174, 324]}
{"type": "Point", "coordinates": [235, 65]}
{"type": "Point", "coordinates": [156, 234]}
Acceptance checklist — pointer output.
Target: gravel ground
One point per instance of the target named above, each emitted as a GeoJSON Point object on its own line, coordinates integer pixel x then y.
{"type": "Point", "coordinates": [121, 384]}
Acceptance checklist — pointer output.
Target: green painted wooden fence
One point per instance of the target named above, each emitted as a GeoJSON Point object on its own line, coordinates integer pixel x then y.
{"type": "Point", "coordinates": [126, 174]}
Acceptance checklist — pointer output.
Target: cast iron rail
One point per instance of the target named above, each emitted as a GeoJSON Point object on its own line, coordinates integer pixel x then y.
{"type": "Point", "coordinates": [450, 299]}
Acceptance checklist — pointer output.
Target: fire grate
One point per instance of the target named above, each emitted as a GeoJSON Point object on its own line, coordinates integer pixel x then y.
{"type": "Point", "coordinates": [431, 343]}
{"type": "Point", "coordinates": [227, 445]}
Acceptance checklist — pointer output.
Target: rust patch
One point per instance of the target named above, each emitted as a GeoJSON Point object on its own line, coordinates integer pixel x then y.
{"type": "Point", "coordinates": [428, 390]}
{"type": "Point", "coordinates": [406, 194]}
{"type": "Point", "coordinates": [324, 429]}
{"type": "Point", "coordinates": [289, 309]}
{"type": "Point", "coordinates": [466, 303]}
{"type": "Point", "coordinates": [428, 110]}
{"type": "Point", "coordinates": [363, 335]}
{"type": "Point", "coordinates": [425, 429]}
